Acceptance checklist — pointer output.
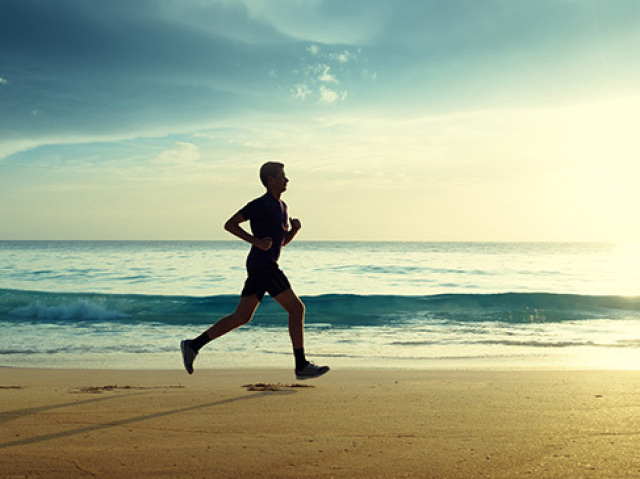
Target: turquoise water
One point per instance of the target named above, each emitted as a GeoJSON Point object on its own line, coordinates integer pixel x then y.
{"type": "Point", "coordinates": [400, 305]}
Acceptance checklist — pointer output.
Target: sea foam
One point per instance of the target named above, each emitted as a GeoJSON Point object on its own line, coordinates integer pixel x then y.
{"type": "Point", "coordinates": [78, 311]}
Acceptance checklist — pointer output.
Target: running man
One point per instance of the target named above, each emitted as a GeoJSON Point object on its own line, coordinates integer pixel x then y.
{"type": "Point", "coordinates": [270, 230]}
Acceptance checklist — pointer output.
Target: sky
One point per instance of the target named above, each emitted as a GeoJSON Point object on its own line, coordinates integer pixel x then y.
{"type": "Point", "coordinates": [456, 120]}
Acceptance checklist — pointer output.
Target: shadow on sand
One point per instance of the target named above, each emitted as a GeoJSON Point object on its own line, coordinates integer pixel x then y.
{"type": "Point", "coordinates": [10, 415]}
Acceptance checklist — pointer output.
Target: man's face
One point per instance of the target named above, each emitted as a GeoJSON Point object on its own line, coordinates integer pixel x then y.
{"type": "Point", "coordinates": [280, 181]}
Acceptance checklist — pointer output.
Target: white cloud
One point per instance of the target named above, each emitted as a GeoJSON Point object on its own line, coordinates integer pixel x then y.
{"type": "Point", "coordinates": [328, 68]}
{"type": "Point", "coordinates": [327, 77]}
{"type": "Point", "coordinates": [300, 91]}
{"type": "Point", "coordinates": [313, 70]}
{"type": "Point", "coordinates": [181, 153]}
{"type": "Point", "coordinates": [254, 145]}
{"type": "Point", "coordinates": [328, 96]}
{"type": "Point", "coordinates": [344, 56]}
{"type": "Point", "coordinates": [369, 75]}
{"type": "Point", "coordinates": [3, 81]}
{"type": "Point", "coordinates": [313, 21]}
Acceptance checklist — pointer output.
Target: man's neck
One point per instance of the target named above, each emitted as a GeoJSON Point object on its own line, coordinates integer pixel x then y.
{"type": "Point", "coordinates": [275, 194]}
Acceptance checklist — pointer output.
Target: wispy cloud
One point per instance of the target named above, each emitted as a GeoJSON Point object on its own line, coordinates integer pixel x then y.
{"type": "Point", "coordinates": [324, 71]}
{"type": "Point", "coordinates": [345, 55]}
{"type": "Point", "coordinates": [368, 74]}
{"type": "Point", "coordinates": [181, 153]}
{"type": "Point", "coordinates": [317, 21]}
{"type": "Point", "coordinates": [300, 91]}
{"type": "Point", "coordinates": [328, 96]}
{"type": "Point", "coordinates": [326, 75]}
{"type": "Point", "coordinates": [3, 81]}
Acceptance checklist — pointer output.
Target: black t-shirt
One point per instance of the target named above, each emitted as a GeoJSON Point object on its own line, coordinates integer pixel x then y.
{"type": "Point", "coordinates": [267, 217]}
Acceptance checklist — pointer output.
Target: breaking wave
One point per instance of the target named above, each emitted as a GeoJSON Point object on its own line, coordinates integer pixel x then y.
{"type": "Point", "coordinates": [341, 310]}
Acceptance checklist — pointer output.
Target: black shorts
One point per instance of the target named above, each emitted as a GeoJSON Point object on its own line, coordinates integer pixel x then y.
{"type": "Point", "coordinates": [268, 279]}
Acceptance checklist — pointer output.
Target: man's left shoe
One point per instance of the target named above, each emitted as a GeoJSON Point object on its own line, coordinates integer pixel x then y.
{"type": "Point", "coordinates": [188, 355]}
{"type": "Point", "coordinates": [311, 371]}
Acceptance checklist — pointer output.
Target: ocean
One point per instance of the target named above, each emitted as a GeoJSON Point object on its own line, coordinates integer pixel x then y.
{"type": "Point", "coordinates": [408, 305]}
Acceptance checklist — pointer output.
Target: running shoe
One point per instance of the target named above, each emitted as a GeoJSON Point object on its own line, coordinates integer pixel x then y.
{"type": "Point", "coordinates": [311, 371]}
{"type": "Point", "coordinates": [188, 355]}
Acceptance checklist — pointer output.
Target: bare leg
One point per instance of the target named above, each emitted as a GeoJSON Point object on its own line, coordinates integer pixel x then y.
{"type": "Point", "coordinates": [292, 304]}
{"type": "Point", "coordinates": [242, 315]}
{"type": "Point", "coordinates": [295, 307]}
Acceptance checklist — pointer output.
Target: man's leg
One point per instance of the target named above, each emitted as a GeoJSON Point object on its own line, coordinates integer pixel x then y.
{"type": "Point", "coordinates": [242, 315]}
{"type": "Point", "coordinates": [295, 308]}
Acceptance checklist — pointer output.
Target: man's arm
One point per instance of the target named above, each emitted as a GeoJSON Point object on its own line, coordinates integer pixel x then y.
{"type": "Point", "coordinates": [233, 226]}
{"type": "Point", "coordinates": [293, 231]}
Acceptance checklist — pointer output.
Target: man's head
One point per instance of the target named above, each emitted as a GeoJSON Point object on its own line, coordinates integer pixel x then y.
{"type": "Point", "coordinates": [270, 169]}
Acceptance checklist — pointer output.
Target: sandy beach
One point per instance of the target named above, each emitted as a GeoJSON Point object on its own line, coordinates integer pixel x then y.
{"type": "Point", "coordinates": [83, 423]}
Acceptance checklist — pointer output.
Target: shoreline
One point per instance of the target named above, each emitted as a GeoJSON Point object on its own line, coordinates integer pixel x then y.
{"type": "Point", "coordinates": [350, 423]}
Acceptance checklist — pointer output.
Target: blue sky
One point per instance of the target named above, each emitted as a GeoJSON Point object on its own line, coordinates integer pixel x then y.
{"type": "Point", "coordinates": [417, 120]}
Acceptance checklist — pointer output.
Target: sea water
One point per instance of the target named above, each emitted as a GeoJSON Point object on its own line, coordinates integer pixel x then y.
{"type": "Point", "coordinates": [78, 304]}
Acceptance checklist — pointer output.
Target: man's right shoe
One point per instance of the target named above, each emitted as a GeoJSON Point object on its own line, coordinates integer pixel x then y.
{"type": "Point", "coordinates": [311, 371]}
{"type": "Point", "coordinates": [188, 355]}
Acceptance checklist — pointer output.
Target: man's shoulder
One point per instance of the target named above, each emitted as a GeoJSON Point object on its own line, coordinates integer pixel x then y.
{"type": "Point", "coordinates": [253, 206]}
{"type": "Point", "coordinates": [258, 200]}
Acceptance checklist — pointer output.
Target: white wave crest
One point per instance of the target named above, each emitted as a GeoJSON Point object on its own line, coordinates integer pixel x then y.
{"type": "Point", "coordinates": [78, 311]}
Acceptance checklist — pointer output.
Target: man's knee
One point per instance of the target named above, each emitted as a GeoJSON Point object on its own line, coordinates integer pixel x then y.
{"type": "Point", "coordinates": [297, 308]}
{"type": "Point", "coordinates": [291, 303]}
{"type": "Point", "coordinates": [245, 310]}
{"type": "Point", "coordinates": [242, 317]}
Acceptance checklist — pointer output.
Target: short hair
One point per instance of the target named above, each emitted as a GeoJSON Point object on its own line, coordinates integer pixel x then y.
{"type": "Point", "coordinates": [270, 168]}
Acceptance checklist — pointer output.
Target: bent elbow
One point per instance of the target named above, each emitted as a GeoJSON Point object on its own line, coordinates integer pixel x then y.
{"type": "Point", "coordinates": [233, 224]}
